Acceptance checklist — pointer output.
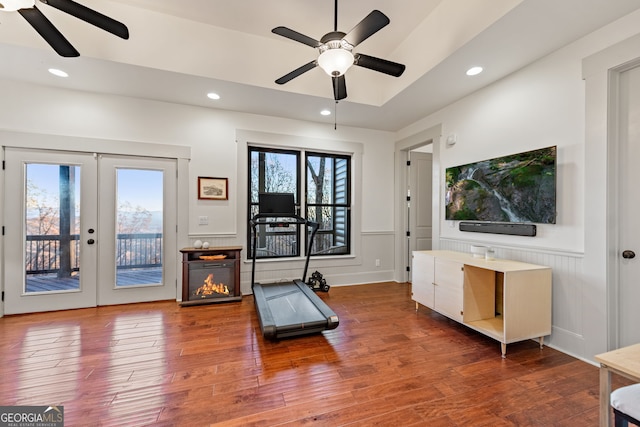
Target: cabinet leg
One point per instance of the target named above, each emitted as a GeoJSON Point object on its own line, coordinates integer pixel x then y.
{"type": "Point", "coordinates": [503, 348]}
{"type": "Point", "coordinates": [541, 342]}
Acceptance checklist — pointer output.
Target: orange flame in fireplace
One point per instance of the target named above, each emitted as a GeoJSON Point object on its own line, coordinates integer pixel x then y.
{"type": "Point", "coordinates": [211, 288]}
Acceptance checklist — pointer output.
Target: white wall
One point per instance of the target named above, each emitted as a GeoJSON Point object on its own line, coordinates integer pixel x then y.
{"type": "Point", "coordinates": [212, 137]}
{"type": "Point", "coordinates": [538, 106]}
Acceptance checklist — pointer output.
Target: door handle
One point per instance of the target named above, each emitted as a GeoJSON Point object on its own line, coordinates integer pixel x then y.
{"type": "Point", "coordinates": [91, 241]}
{"type": "Point", "coordinates": [628, 254]}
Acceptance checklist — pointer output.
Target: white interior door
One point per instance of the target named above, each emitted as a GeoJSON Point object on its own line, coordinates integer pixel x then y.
{"type": "Point", "coordinates": [137, 223]}
{"type": "Point", "coordinates": [85, 230]}
{"type": "Point", "coordinates": [419, 206]}
{"type": "Point", "coordinates": [628, 315]}
{"type": "Point", "coordinates": [50, 209]}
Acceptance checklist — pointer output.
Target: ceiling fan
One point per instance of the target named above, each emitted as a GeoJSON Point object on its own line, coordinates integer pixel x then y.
{"type": "Point", "coordinates": [28, 10]}
{"type": "Point", "coordinates": [336, 51]}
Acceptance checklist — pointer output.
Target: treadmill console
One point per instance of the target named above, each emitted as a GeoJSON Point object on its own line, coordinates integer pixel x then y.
{"type": "Point", "coordinates": [277, 204]}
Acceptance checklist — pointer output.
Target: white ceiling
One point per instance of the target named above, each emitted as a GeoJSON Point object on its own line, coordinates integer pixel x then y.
{"type": "Point", "coordinates": [180, 50]}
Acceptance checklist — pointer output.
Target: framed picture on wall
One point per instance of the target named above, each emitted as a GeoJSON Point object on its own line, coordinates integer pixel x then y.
{"type": "Point", "coordinates": [213, 188]}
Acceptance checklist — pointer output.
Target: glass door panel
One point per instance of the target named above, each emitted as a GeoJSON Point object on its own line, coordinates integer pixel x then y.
{"type": "Point", "coordinates": [52, 222]}
{"type": "Point", "coordinates": [139, 227]}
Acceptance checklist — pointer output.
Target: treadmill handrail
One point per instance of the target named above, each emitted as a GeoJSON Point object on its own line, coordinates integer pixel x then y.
{"type": "Point", "coordinates": [255, 221]}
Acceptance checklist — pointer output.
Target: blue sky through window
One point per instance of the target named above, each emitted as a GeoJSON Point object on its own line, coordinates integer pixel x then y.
{"type": "Point", "coordinates": [138, 187]}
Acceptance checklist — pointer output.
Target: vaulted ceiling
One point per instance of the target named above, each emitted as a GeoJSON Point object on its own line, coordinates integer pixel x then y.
{"type": "Point", "coordinates": [178, 51]}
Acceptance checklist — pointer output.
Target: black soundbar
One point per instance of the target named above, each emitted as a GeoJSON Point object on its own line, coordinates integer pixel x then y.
{"type": "Point", "coordinates": [499, 228]}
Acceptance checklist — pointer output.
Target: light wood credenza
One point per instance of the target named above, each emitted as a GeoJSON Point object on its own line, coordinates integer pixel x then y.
{"type": "Point", "coordinates": [509, 301]}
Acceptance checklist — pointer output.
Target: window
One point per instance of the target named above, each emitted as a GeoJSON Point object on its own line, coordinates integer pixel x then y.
{"type": "Point", "coordinates": [327, 200]}
{"type": "Point", "coordinates": [274, 171]}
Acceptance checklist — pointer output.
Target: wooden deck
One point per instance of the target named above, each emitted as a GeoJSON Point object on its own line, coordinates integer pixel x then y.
{"type": "Point", "coordinates": [162, 365]}
{"type": "Point", "coordinates": [126, 277]}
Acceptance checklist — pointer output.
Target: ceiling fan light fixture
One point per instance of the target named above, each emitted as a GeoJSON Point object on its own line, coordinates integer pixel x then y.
{"type": "Point", "coordinates": [335, 62]}
{"type": "Point", "coordinates": [13, 5]}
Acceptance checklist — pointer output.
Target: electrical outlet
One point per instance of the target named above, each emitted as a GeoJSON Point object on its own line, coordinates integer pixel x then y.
{"type": "Point", "coordinates": [377, 263]}
{"type": "Point", "coordinates": [203, 220]}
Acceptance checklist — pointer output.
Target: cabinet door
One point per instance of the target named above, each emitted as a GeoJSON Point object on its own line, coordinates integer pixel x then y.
{"type": "Point", "coordinates": [422, 279]}
{"type": "Point", "coordinates": [449, 281]}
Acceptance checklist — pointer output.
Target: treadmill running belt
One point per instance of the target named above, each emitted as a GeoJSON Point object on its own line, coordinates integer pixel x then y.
{"type": "Point", "coordinates": [290, 308]}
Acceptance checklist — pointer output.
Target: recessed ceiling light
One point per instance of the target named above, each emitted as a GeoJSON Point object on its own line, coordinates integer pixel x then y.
{"type": "Point", "coordinates": [325, 112]}
{"type": "Point", "coordinates": [213, 95]}
{"type": "Point", "coordinates": [474, 71]}
{"type": "Point", "coordinates": [58, 73]}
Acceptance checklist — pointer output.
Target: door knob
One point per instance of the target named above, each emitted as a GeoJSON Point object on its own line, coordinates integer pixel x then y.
{"type": "Point", "coordinates": [628, 254]}
{"type": "Point", "coordinates": [91, 241]}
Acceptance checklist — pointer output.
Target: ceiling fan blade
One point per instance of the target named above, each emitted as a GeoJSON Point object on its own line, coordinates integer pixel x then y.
{"type": "Point", "coordinates": [296, 36]}
{"type": "Point", "coordinates": [339, 87]}
{"type": "Point", "coordinates": [298, 71]}
{"type": "Point", "coordinates": [45, 28]}
{"type": "Point", "coordinates": [371, 24]}
{"type": "Point", "coordinates": [380, 65]}
{"type": "Point", "coordinates": [91, 16]}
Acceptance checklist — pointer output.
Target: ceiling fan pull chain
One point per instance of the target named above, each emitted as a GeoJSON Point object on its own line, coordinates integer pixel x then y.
{"type": "Point", "coordinates": [335, 116]}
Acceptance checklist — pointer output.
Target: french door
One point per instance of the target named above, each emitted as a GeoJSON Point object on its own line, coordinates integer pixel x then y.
{"type": "Point", "coordinates": [83, 230]}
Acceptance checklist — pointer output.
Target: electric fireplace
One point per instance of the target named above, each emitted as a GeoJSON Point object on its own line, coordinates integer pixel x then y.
{"type": "Point", "coordinates": [210, 275]}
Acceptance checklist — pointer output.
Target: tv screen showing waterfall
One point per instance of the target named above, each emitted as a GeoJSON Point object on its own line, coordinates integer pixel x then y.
{"type": "Point", "coordinates": [516, 188]}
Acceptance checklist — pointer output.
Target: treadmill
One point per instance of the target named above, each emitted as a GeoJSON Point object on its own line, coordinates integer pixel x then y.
{"type": "Point", "coordinates": [288, 308]}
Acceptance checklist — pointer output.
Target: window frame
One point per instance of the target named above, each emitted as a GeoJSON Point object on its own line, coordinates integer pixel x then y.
{"type": "Point", "coordinates": [301, 202]}
{"type": "Point", "coordinates": [252, 205]}
{"type": "Point", "coordinates": [346, 205]}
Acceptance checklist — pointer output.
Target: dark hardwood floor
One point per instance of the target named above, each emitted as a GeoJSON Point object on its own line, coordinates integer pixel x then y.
{"type": "Point", "coordinates": [166, 365]}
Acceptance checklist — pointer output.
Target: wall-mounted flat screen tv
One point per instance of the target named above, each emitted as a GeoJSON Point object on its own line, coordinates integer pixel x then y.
{"type": "Point", "coordinates": [516, 188]}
